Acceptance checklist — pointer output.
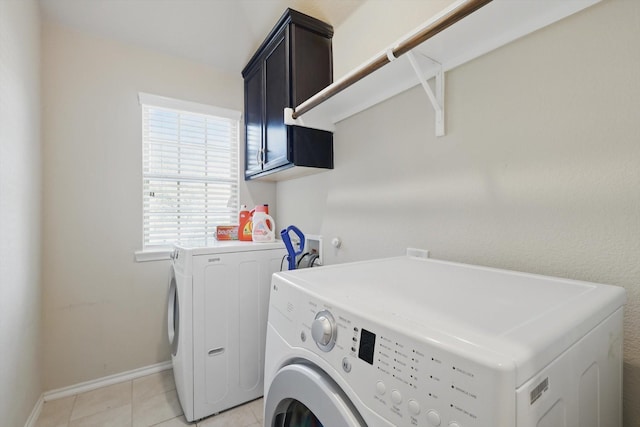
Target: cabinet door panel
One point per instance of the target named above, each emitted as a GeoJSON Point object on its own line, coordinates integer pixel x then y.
{"type": "Point", "coordinates": [276, 99]}
{"type": "Point", "coordinates": [311, 64]}
{"type": "Point", "coordinates": [253, 121]}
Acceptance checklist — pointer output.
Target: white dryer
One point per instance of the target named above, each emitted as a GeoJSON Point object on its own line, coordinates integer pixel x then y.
{"type": "Point", "coordinates": [217, 315]}
{"type": "Point", "coordinates": [410, 341]}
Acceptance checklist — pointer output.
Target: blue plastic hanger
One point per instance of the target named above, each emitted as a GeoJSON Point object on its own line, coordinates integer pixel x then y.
{"type": "Point", "coordinates": [293, 254]}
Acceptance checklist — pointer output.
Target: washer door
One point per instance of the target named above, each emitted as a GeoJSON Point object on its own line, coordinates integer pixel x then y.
{"type": "Point", "coordinates": [173, 313]}
{"type": "Point", "coordinates": [302, 395]}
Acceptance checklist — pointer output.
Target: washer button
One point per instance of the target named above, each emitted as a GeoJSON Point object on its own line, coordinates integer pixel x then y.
{"type": "Point", "coordinates": [381, 389]}
{"type": "Point", "coordinates": [454, 424]}
{"type": "Point", "coordinates": [414, 407]}
{"type": "Point", "coordinates": [434, 418]}
{"type": "Point", "coordinates": [396, 397]}
{"type": "Point", "coordinates": [346, 365]}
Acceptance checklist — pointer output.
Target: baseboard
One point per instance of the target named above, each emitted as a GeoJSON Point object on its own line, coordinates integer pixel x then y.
{"type": "Point", "coordinates": [105, 381]}
{"type": "Point", "coordinates": [35, 413]}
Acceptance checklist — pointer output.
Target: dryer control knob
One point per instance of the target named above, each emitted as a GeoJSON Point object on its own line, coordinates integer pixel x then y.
{"type": "Point", "coordinates": [324, 330]}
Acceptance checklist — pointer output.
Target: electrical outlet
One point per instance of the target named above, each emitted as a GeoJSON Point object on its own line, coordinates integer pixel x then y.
{"type": "Point", "coordinates": [313, 245]}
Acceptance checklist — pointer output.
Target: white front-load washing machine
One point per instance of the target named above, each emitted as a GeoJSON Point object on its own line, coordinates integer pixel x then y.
{"type": "Point", "coordinates": [217, 315]}
{"type": "Point", "coordinates": [410, 341]}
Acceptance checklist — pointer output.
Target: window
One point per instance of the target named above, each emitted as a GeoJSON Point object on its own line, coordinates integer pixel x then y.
{"type": "Point", "coordinates": [189, 170]}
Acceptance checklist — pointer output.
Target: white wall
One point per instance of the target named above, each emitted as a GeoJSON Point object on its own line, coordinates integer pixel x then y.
{"type": "Point", "coordinates": [104, 313]}
{"type": "Point", "coordinates": [538, 171]}
{"type": "Point", "coordinates": [20, 326]}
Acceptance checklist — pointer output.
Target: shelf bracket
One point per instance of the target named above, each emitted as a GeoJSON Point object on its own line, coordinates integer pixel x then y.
{"type": "Point", "coordinates": [437, 99]}
{"type": "Point", "coordinates": [307, 121]}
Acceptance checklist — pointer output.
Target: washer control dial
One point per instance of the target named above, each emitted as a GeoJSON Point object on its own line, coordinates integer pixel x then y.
{"type": "Point", "coordinates": [324, 330]}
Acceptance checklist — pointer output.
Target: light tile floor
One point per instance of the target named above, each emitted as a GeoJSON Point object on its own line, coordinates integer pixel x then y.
{"type": "Point", "coordinates": [143, 402]}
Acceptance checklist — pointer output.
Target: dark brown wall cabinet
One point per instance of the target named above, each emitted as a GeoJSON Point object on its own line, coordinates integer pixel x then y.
{"type": "Point", "coordinates": [292, 64]}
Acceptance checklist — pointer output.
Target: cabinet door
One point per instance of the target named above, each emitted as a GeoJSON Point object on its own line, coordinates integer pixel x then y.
{"type": "Point", "coordinates": [253, 107]}
{"type": "Point", "coordinates": [276, 99]}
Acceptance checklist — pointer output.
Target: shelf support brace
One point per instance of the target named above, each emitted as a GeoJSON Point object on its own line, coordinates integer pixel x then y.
{"type": "Point", "coordinates": [437, 99]}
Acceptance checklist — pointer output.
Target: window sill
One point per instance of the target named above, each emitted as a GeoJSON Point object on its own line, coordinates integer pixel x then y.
{"type": "Point", "coordinates": [153, 255]}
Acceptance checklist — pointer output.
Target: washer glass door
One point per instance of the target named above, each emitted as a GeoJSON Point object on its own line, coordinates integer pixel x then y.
{"type": "Point", "coordinates": [173, 313]}
{"type": "Point", "coordinates": [301, 395]}
{"type": "Point", "coordinates": [298, 415]}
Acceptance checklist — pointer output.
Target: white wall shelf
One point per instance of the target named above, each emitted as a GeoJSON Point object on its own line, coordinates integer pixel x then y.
{"type": "Point", "coordinates": [490, 27]}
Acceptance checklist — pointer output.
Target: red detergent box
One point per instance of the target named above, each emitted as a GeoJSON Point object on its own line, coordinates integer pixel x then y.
{"type": "Point", "coordinates": [227, 232]}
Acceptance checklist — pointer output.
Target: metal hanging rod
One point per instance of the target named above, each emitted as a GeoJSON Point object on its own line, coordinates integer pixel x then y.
{"type": "Point", "coordinates": [384, 58]}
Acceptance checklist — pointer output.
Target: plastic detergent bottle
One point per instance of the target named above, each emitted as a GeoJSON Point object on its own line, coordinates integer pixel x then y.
{"type": "Point", "coordinates": [261, 208]}
{"type": "Point", "coordinates": [245, 224]}
{"type": "Point", "coordinates": [263, 226]}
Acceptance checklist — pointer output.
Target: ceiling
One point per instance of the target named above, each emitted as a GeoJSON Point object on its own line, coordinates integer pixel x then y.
{"type": "Point", "coordinates": [221, 33]}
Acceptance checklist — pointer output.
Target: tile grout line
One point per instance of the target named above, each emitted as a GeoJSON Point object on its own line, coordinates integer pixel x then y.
{"type": "Point", "coordinates": [73, 406]}
{"type": "Point", "coordinates": [93, 414]}
{"type": "Point", "coordinates": [131, 409]}
{"type": "Point", "coordinates": [163, 387]}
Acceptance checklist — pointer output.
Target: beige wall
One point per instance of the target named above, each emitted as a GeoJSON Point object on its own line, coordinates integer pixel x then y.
{"type": "Point", "coordinates": [20, 325]}
{"type": "Point", "coordinates": [103, 312]}
{"type": "Point", "coordinates": [538, 171]}
{"type": "Point", "coordinates": [375, 26]}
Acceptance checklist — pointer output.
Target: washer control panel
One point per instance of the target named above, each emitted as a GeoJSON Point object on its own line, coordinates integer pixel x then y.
{"type": "Point", "coordinates": [406, 380]}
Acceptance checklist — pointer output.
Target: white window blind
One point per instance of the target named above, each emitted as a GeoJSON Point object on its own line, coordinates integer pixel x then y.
{"type": "Point", "coordinates": [190, 170]}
